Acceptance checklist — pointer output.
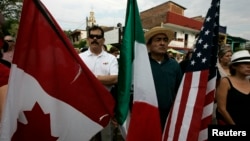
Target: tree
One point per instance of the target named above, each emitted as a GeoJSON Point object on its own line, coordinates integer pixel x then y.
{"type": "Point", "coordinates": [11, 9]}
{"type": "Point", "coordinates": [81, 44]}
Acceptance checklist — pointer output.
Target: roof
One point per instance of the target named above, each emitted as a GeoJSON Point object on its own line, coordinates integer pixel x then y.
{"type": "Point", "coordinates": [183, 21]}
{"type": "Point", "coordinates": [184, 8]}
{"type": "Point", "coordinates": [165, 4]}
{"type": "Point", "coordinates": [236, 38]}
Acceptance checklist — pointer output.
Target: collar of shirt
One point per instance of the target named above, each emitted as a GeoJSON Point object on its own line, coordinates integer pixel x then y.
{"type": "Point", "coordinates": [89, 53]}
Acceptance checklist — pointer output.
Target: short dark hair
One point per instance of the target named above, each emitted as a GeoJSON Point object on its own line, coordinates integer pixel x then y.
{"type": "Point", "coordinates": [113, 49]}
{"type": "Point", "coordinates": [95, 27]}
{"type": "Point", "coordinates": [149, 41]}
{"type": "Point", "coordinates": [232, 70]}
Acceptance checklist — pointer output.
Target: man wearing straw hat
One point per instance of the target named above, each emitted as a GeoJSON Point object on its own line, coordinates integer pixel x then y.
{"type": "Point", "coordinates": [166, 71]}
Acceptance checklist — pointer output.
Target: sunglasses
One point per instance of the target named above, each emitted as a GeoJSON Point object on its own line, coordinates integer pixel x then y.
{"type": "Point", "coordinates": [97, 36]}
{"type": "Point", "coordinates": [9, 41]}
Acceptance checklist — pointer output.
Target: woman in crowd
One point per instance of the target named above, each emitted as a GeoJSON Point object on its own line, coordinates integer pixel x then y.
{"type": "Point", "coordinates": [233, 92]}
{"type": "Point", "coordinates": [224, 58]}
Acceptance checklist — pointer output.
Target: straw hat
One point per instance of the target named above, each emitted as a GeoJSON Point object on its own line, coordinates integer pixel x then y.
{"type": "Point", "coordinates": [159, 30]}
{"type": "Point", "coordinates": [240, 56]}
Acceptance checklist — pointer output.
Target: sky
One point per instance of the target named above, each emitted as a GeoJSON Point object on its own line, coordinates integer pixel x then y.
{"type": "Point", "coordinates": [71, 14]}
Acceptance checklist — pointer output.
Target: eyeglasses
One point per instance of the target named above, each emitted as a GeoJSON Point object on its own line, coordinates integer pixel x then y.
{"type": "Point", "coordinates": [9, 41]}
{"type": "Point", "coordinates": [97, 36]}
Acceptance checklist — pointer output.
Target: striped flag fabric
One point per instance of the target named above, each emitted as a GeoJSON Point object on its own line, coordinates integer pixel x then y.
{"type": "Point", "coordinates": [192, 110]}
{"type": "Point", "coordinates": [135, 69]}
{"type": "Point", "coordinates": [52, 94]}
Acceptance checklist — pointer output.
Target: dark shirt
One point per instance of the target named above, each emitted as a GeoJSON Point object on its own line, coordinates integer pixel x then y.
{"type": "Point", "coordinates": [238, 106]}
{"type": "Point", "coordinates": [184, 64]}
{"type": "Point", "coordinates": [6, 63]}
{"type": "Point", "coordinates": [167, 77]}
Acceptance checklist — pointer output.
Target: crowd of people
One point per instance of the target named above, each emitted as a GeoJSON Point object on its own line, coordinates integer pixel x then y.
{"type": "Point", "coordinates": [233, 87]}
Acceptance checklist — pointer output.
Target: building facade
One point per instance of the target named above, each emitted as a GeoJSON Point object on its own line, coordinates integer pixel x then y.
{"type": "Point", "coordinates": [171, 15]}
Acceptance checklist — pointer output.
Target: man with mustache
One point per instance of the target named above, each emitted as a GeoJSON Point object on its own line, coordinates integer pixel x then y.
{"type": "Point", "coordinates": [103, 65]}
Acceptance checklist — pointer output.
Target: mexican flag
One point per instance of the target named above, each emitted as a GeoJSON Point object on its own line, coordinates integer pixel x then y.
{"type": "Point", "coordinates": [135, 73]}
{"type": "Point", "coordinates": [52, 94]}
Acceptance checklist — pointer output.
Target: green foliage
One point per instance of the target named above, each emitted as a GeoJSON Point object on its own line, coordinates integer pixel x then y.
{"type": "Point", "coordinates": [81, 44]}
{"type": "Point", "coordinates": [10, 27]}
{"type": "Point", "coordinates": [11, 10]}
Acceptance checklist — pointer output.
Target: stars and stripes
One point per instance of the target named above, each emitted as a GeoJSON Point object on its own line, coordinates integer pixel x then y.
{"type": "Point", "coordinates": [192, 111]}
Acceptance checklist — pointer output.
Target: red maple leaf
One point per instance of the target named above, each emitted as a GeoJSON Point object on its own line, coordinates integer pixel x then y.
{"type": "Point", "coordinates": [37, 128]}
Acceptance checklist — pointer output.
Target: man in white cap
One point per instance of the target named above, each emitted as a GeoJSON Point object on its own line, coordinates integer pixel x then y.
{"type": "Point", "coordinates": [166, 71]}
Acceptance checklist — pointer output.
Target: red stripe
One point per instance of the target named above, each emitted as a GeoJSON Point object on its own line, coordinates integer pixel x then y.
{"type": "Point", "coordinates": [205, 122]}
{"type": "Point", "coordinates": [145, 123]}
{"type": "Point", "coordinates": [210, 97]}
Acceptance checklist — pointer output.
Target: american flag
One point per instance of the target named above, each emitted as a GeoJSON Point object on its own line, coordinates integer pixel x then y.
{"type": "Point", "coordinates": [192, 110]}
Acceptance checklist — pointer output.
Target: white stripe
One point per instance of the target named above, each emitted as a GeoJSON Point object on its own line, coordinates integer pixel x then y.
{"type": "Point", "coordinates": [207, 110]}
{"type": "Point", "coordinates": [190, 104]}
{"type": "Point", "coordinates": [66, 122]}
{"type": "Point", "coordinates": [144, 88]}
{"type": "Point", "coordinates": [211, 85]}
{"type": "Point", "coordinates": [203, 135]}
{"type": "Point", "coordinates": [124, 127]}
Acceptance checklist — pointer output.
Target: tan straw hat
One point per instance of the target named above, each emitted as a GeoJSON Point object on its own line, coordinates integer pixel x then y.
{"type": "Point", "coordinates": [159, 30]}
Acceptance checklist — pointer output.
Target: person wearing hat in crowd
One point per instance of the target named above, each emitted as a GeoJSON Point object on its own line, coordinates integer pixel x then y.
{"type": "Point", "coordinates": [233, 92]}
{"type": "Point", "coordinates": [4, 71]}
{"type": "Point", "coordinates": [166, 71]}
{"type": "Point", "coordinates": [3, 44]}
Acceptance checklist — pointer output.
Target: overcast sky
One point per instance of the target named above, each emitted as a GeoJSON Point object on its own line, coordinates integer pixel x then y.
{"type": "Point", "coordinates": [71, 14]}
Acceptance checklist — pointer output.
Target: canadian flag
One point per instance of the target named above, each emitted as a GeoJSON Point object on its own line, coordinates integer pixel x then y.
{"type": "Point", "coordinates": [52, 94]}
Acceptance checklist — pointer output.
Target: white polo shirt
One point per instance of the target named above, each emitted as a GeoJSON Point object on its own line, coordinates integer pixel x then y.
{"type": "Point", "coordinates": [102, 64]}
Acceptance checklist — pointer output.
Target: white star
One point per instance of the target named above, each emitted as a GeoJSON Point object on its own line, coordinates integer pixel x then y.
{"type": "Point", "coordinates": [199, 54]}
{"type": "Point", "coordinates": [205, 46]}
{"type": "Point", "coordinates": [218, 4]}
{"type": "Point", "coordinates": [216, 14]}
{"type": "Point", "coordinates": [207, 32]}
{"type": "Point", "coordinates": [200, 41]}
{"type": "Point", "coordinates": [192, 62]}
{"type": "Point", "coordinates": [208, 19]}
{"type": "Point", "coordinates": [204, 60]}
